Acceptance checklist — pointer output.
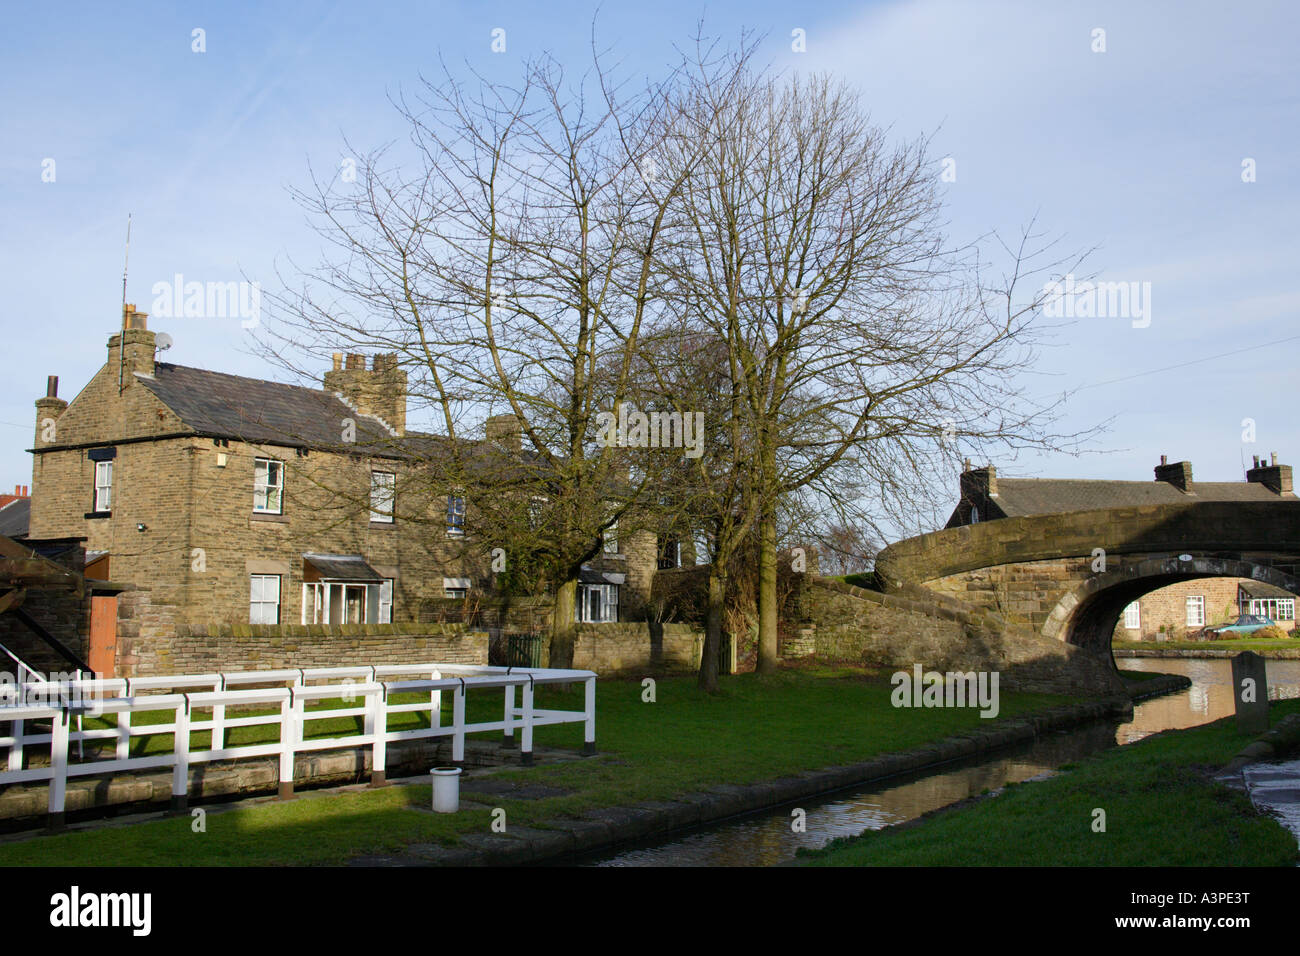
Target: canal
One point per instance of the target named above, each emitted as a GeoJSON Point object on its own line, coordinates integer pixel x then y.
{"type": "Point", "coordinates": [767, 838]}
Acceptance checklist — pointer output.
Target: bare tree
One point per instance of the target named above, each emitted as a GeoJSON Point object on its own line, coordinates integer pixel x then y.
{"type": "Point", "coordinates": [862, 346]}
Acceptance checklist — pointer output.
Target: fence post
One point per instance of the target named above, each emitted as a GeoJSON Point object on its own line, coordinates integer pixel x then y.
{"type": "Point", "coordinates": [287, 738]}
{"type": "Point", "coordinates": [16, 751]}
{"type": "Point", "coordinates": [458, 725]}
{"type": "Point", "coordinates": [526, 750]}
{"type": "Point", "coordinates": [123, 735]}
{"type": "Point", "coordinates": [508, 738]}
{"type": "Point", "coordinates": [181, 759]}
{"type": "Point", "coordinates": [589, 727]}
{"type": "Point", "coordinates": [218, 727]}
{"type": "Point", "coordinates": [377, 722]}
{"type": "Point", "coordinates": [58, 767]}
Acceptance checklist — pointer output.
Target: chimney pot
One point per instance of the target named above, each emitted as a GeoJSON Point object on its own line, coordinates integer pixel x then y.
{"type": "Point", "coordinates": [51, 386]}
{"type": "Point", "coordinates": [338, 361]}
{"type": "Point", "coordinates": [1273, 458]}
{"type": "Point", "coordinates": [356, 361]}
{"type": "Point", "coordinates": [1164, 459]}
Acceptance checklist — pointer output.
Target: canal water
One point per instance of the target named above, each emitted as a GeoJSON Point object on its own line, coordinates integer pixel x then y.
{"type": "Point", "coordinates": [767, 838]}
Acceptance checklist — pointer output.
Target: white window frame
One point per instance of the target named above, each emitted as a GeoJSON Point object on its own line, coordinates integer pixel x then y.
{"type": "Point", "coordinates": [454, 529]}
{"type": "Point", "coordinates": [383, 496]}
{"type": "Point", "coordinates": [103, 487]}
{"type": "Point", "coordinates": [258, 601]}
{"type": "Point", "coordinates": [604, 598]}
{"type": "Point", "coordinates": [1133, 616]}
{"type": "Point", "coordinates": [263, 486]}
{"type": "Point", "coordinates": [386, 601]}
{"type": "Point", "coordinates": [457, 588]}
{"type": "Point", "coordinates": [1195, 610]}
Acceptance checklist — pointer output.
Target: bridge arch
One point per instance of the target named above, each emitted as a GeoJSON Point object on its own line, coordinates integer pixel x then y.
{"type": "Point", "coordinates": [1086, 616]}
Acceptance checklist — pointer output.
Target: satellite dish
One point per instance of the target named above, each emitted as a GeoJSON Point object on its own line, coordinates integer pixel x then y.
{"type": "Point", "coordinates": [162, 341]}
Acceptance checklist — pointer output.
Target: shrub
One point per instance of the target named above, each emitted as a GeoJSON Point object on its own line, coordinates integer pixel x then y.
{"type": "Point", "coordinates": [1270, 633]}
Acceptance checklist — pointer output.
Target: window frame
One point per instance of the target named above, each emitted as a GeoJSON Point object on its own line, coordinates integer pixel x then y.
{"type": "Point", "coordinates": [1195, 601]}
{"type": "Point", "coordinates": [279, 598]}
{"type": "Point", "coordinates": [102, 505]}
{"type": "Point", "coordinates": [455, 529]}
{"type": "Point", "coordinates": [378, 516]}
{"type": "Point", "coordinates": [264, 489]}
{"type": "Point", "coordinates": [608, 601]}
{"type": "Point", "coordinates": [1133, 621]}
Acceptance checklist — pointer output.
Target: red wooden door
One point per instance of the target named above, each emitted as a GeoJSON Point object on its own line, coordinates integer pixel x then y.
{"type": "Point", "coordinates": [103, 635]}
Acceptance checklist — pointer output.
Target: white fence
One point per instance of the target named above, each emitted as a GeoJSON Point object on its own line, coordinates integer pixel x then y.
{"type": "Point", "coordinates": [365, 692]}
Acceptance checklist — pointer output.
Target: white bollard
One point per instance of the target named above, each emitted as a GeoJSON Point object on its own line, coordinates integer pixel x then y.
{"type": "Point", "coordinates": [446, 789]}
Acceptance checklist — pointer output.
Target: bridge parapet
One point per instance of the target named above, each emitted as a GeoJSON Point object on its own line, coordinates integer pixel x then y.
{"type": "Point", "coordinates": [1268, 530]}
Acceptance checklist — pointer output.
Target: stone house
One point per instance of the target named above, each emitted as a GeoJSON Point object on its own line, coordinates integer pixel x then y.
{"type": "Point", "coordinates": [232, 500]}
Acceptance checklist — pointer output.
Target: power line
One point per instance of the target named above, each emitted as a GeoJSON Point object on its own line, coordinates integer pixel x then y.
{"type": "Point", "coordinates": [1199, 361]}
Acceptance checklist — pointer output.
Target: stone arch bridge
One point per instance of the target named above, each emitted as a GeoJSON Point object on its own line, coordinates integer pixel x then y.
{"type": "Point", "coordinates": [1070, 575]}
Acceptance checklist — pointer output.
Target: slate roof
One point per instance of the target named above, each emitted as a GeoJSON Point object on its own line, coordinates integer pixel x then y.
{"type": "Point", "coordinates": [1037, 496]}
{"type": "Point", "coordinates": [255, 410]}
{"type": "Point", "coordinates": [343, 567]}
{"type": "Point", "coordinates": [15, 518]}
{"type": "Point", "coordinates": [1258, 589]}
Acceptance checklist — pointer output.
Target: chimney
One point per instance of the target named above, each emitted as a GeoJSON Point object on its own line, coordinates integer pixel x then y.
{"type": "Point", "coordinates": [48, 410]}
{"type": "Point", "coordinates": [379, 391]}
{"type": "Point", "coordinates": [1276, 478]}
{"type": "Point", "coordinates": [977, 486]}
{"type": "Point", "coordinates": [139, 346]}
{"type": "Point", "coordinates": [1179, 474]}
{"type": "Point", "coordinates": [504, 430]}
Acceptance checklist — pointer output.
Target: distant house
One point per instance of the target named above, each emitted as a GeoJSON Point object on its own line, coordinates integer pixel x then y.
{"type": "Point", "coordinates": [15, 513]}
{"type": "Point", "coordinates": [986, 497]}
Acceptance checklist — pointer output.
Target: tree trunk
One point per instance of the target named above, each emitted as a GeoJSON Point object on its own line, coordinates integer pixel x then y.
{"type": "Point", "coordinates": [767, 645]}
{"type": "Point", "coordinates": [563, 626]}
{"type": "Point", "coordinates": [712, 633]}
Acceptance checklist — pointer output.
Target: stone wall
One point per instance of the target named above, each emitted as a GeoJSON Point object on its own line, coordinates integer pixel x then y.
{"type": "Point", "coordinates": [853, 625]}
{"type": "Point", "coordinates": [633, 650]}
{"type": "Point", "coordinates": [199, 650]}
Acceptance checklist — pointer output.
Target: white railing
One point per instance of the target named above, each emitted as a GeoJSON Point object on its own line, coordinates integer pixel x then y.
{"type": "Point", "coordinates": [363, 690]}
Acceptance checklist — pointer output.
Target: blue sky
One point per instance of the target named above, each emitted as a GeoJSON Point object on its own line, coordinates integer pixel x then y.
{"type": "Point", "coordinates": [1137, 150]}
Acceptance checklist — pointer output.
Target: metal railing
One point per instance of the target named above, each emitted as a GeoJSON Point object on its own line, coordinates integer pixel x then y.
{"type": "Point", "coordinates": [364, 692]}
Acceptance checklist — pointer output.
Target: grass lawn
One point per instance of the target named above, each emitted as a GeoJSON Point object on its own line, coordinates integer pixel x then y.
{"type": "Point", "coordinates": [1161, 810]}
{"type": "Point", "coordinates": [1241, 644]}
{"type": "Point", "coordinates": [758, 728]}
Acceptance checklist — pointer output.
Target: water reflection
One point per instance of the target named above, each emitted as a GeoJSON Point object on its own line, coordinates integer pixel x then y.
{"type": "Point", "coordinates": [1208, 699]}
{"type": "Point", "coordinates": [767, 839]}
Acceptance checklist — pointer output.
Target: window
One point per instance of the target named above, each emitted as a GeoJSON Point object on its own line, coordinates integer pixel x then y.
{"type": "Point", "coordinates": [337, 602]}
{"type": "Point", "coordinates": [103, 486]}
{"type": "Point", "coordinates": [455, 515]}
{"type": "Point", "coordinates": [1196, 610]}
{"type": "Point", "coordinates": [383, 491]}
{"type": "Point", "coordinates": [268, 485]}
{"type": "Point", "coordinates": [974, 515]}
{"type": "Point", "coordinates": [264, 599]}
{"type": "Point", "coordinates": [1133, 617]}
{"type": "Point", "coordinates": [1277, 609]}
{"type": "Point", "coordinates": [611, 538]}
{"type": "Point", "coordinates": [597, 603]}
{"type": "Point", "coordinates": [670, 553]}
{"type": "Point", "coordinates": [703, 542]}
{"type": "Point", "coordinates": [455, 588]}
